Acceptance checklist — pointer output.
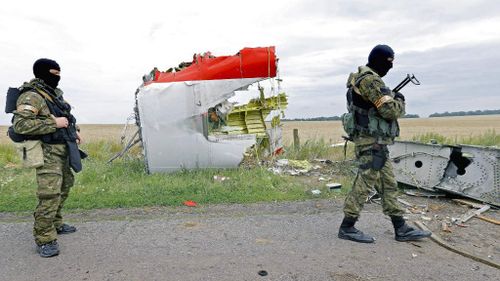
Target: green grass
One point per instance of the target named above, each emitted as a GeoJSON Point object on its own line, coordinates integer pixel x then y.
{"type": "Point", "coordinates": [317, 148]}
{"type": "Point", "coordinates": [124, 183]}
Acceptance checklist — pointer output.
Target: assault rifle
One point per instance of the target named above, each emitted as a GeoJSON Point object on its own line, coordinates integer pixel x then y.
{"type": "Point", "coordinates": [409, 78]}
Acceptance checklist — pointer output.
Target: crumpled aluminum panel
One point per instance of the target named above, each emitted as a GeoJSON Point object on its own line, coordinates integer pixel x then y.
{"type": "Point", "coordinates": [173, 131]}
{"type": "Point", "coordinates": [481, 180]}
{"type": "Point", "coordinates": [417, 164]}
{"type": "Point", "coordinates": [429, 166]}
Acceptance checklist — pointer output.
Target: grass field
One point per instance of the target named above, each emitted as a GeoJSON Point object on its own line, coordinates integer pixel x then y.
{"type": "Point", "coordinates": [125, 183]}
{"type": "Point", "coordinates": [331, 131]}
{"type": "Point", "coordinates": [458, 128]}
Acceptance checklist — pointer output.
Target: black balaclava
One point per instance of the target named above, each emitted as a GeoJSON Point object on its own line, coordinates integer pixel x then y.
{"type": "Point", "coordinates": [41, 70]}
{"type": "Point", "coordinates": [378, 59]}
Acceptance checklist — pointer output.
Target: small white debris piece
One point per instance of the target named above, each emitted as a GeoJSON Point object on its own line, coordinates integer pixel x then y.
{"type": "Point", "coordinates": [333, 185]}
{"type": "Point", "coordinates": [282, 162]}
{"type": "Point", "coordinates": [220, 178]}
{"type": "Point", "coordinates": [315, 192]}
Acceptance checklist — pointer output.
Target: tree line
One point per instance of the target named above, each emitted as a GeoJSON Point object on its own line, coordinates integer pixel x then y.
{"type": "Point", "coordinates": [336, 118]}
{"type": "Point", "coordinates": [466, 113]}
{"type": "Point", "coordinates": [444, 114]}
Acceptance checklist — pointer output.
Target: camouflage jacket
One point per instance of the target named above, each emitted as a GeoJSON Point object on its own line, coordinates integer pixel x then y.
{"type": "Point", "coordinates": [373, 90]}
{"type": "Point", "coordinates": [32, 116]}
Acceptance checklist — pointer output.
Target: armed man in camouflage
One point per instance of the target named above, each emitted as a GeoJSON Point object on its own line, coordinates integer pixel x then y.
{"type": "Point", "coordinates": [42, 114]}
{"type": "Point", "coordinates": [374, 109]}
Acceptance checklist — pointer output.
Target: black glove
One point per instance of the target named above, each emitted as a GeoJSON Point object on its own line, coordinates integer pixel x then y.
{"type": "Point", "coordinates": [400, 96]}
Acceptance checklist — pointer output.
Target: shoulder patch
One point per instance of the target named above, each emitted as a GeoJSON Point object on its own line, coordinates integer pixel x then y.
{"type": "Point", "coordinates": [31, 99]}
{"type": "Point", "coordinates": [27, 107]}
{"type": "Point", "coordinates": [382, 100]}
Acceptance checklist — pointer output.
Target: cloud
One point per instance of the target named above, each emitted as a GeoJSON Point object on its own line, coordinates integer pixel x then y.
{"type": "Point", "coordinates": [104, 50]}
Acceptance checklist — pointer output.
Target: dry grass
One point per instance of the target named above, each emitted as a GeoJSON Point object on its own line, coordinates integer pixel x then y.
{"type": "Point", "coordinates": [90, 132]}
{"type": "Point", "coordinates": [331, 131]}
{"type": "Point", "coordinates": [450, 127]}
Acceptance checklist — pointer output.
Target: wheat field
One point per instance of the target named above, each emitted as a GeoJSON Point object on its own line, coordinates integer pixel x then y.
{"type": "Point", "coordinates": [450, 127]}
{"type": "Point", "coordinates": [330, 131]}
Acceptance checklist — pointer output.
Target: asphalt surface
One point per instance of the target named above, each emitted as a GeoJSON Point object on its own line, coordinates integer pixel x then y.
{"type": "Point", "coordinates": [286, 241]}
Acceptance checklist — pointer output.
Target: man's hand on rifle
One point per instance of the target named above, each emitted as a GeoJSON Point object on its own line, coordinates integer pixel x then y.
{"type": "Point", "coordinates": [79, 138]}
{"type": "Point", "coordinates": [61, 122]}
{"type": "Point", "coordinates": [400, 96]}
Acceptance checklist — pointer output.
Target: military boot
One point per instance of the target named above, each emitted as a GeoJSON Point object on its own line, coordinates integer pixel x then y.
{"type": "Point", "coordinates": [347, 231]}
{"type": "Point", "coordinates": [65, 229]}
{"type": "Point", "coordinates": [404, 232]}
{"type": "Point", "coordinates": [48, 250]}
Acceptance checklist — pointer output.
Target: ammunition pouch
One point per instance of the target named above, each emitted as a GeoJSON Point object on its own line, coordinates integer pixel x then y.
{"type": "Point", "coordinates": [380, 127]}
{"type": "Point", "coordinates": [11, 99]}
{"type": "Point", "coordinates": [31, 153]}
{"type": "Point", "coordinates": [349, 123]}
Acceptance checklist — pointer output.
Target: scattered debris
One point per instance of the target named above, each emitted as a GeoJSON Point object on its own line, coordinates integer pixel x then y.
{"type": "Point", "coordinates": [339, 144]}
{"type": "Point", "coordinates": [292, 167]}
{"type": "Point", "coordinates": [426, 218]}
{"type": "Point", "coordinates": [262, 273]}
{"type": "Point", "coordinates": [415, 244]}
{"type": "Point", "coordinates": [490, 220]}
{"type": "Point", "coordinates": [468, 203]}
{"type": "Point", "coordinates": [190, 203]}
{"type": "Point", "coordinates": [303, 165]}
{"type": "Point", "coordinates": [445, 227]}
{"type": "Point", "coordinates": [334, 186]}
{"type": "Point", "coordinates": [470, 171]}
{"type": "Point", "coordinates": [482, 208]}
{"type": "Point", "coordinates": [315, 192]}
{"type": "Point", "coordinates": [423, 193]}
{"type": "Point", "coordinates": [282, 162]}
{"type": "Point", "coordinates": [263, 241]}
{"type": "Point", "coordinates": [190, 224]}
{"type": "Point", "coordinates": [442, 243]}
{"type": "Point", "coordinates": [220, 178]}
{"type": "Point", "coordinates": [406, 203]}
{"type": "Point", "coordinates": [470, 214]}
{"type": "Point", "coordinates": [325, 161]}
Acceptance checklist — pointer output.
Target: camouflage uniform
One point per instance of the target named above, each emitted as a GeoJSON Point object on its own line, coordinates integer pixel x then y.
{"type": "Point", "coordinates": [372, 89]}
{"type": "Point", "coordinates": [54, 178]}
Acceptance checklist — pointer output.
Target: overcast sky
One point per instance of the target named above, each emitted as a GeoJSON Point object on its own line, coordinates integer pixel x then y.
{"type": "Point", "coordinates": [104, 48]}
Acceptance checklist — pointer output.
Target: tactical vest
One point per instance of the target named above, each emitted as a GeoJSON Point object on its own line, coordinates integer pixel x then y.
{"type": "Point", "coordinates": [68, 136]}
{"type": "Point", "coordinates": [57, 107]}
{"type": "Point", "coordinates": [362, 116]}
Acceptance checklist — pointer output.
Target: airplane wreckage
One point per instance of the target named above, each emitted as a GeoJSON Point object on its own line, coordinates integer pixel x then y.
{"type": "Point", "coordinates": [466, 170]}
{"type": "Point", "coordinates": [186, 121]}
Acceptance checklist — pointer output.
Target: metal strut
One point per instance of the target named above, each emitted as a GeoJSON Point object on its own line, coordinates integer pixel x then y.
{"type": "Point", "coordinates": [129, 145]}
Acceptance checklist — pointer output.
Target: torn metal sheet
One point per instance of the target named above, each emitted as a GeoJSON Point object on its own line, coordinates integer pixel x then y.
{"type": "Point", "coordinates": [470, 171]}
{"type": "Point", "coordinates": [480, 179]}
{"type": "Point", "coordinates": [183, 114]}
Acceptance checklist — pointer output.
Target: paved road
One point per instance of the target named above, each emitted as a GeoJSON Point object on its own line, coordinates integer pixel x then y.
{"type": "Point", "coordinates": [290, 241]}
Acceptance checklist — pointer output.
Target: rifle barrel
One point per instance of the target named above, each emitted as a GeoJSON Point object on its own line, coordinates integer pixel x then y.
{"type": "Point", "coordinates": [402, 84]}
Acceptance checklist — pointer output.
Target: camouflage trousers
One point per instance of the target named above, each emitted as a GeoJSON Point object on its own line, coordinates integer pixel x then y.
{"type": "Point", "coordinates": [367, 178]}
{"type": "Point", "coordinates": [54, 180]}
